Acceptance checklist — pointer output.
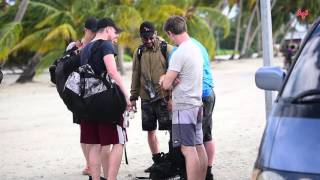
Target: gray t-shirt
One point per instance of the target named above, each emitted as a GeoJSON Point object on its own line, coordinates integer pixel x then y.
{"type": "Point", "coordinates": [187, 60]}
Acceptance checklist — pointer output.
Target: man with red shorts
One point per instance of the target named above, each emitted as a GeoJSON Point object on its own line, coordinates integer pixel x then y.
{"type": "Point", "coordinates": [105, 140]}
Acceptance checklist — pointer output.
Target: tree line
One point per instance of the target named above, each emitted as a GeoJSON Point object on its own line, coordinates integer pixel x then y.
{"type": "Point", "coordinates": [33, 33]}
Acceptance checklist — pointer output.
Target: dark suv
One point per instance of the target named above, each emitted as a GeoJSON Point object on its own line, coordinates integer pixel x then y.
{"type": "Point", "coordinates": [290, 146]}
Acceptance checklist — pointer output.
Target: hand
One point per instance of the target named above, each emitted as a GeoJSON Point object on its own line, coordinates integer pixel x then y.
{"type": "Point", "coordinates": [133, 106]}
{"type": "Point", "coordinates": [128, 104]}
{"type": "Point", "coordinates": [170, 105]}
{"type": "Point", "coordinates": [176, 82]}
{"type": "Point", "coordinates": [161, 79]}
{"type": "Point", "coordinates": [78, 43]}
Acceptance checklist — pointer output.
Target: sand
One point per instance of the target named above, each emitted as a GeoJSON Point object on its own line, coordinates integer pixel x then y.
{"type": "Point", "coordinates": [39, 141]}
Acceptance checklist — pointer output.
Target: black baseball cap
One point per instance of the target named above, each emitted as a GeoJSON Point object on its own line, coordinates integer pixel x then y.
{"type": "Point", "coordinates": [105, 22]}
{"type": "Point", "coordinates": [147, 29]}
{"type": "Point", "coordinates": [91, 24]}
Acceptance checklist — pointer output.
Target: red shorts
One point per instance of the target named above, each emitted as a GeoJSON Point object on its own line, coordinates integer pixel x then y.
{"type": "Point", "coordinates": [102, 133]}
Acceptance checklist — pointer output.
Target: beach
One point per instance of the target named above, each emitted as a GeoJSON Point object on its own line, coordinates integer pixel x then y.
{"type": "Point", "coordinates": [39, 141]}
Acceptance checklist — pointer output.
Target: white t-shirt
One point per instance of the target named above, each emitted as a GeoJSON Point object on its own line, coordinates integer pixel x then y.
{"type": "Point", "coordinates": [187, 60]}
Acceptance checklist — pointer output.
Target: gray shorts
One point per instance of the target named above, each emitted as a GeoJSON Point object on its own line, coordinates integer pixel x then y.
{"type": "Point", "coordinates": [187, 127]}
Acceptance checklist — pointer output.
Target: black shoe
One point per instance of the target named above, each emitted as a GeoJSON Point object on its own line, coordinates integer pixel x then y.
{"type": "Point", "coordinates": [157, 158]}
{"type": "Point", "coordinates": [149, 169]}
{"type": "Point", "coordinates": [209, 176]}
{"type": "Point", "coordinates": [164, 170]}
{"type": "Point", "coordinates": [101, 178]}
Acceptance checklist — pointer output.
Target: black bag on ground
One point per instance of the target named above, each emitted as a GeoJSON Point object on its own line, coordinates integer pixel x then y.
{"type": "Point", "coordinates": [94, 97]}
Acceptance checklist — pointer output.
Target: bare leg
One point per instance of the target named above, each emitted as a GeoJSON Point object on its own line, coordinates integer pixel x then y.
{"type": "Point", "coordinates": [210, 149]}
{"type": "Point", "coordinates": [114, 161]}
{"type": "Point", "coordinates": [85, 152]}
{"type": "Point", "coordinates": [105, 154]}
{"type": "Point", "coordinates": [153, 142]}
{"type": "Point", "coordinates": [201, 151]}
{"type": "Point", "coordinates": [94, 160]}
{"type": "Point", "coordinates": [192, 162]}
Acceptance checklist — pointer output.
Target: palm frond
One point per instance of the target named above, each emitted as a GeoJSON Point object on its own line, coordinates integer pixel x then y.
{"type": "Point", "coordinates": [215, 18]}
{"type": "Point", "coordinates": [129, 40]}
{"type": "Point", "coordinates": [41, 9]}
{"type": "Point", "coordinates": [64, 31]}
{"type": "Point", "coordinates": [200, 30]}
{"type": "Point", "coordinates": [127, 17]}
{"type": "Point", "coordinates": [31, 42]}
{"type": "Point", "coordinates": [55, 19]}
{"type": "Point", "coordinates": [165, 11]}
{"type": "Point", "coordinates": [83, 8]}
{"type": "Point", "coordinates": [9, 36]}
{"type": "Point", "coordinates": [48, 59]}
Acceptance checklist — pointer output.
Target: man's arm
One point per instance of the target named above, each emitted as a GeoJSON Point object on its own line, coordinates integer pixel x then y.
{"type": "Point", "coordinates": [110, 63]}
{"type": "Point", "coordinates": [135, 79]}
{"type": "Point", "coordinates": [167, 80]}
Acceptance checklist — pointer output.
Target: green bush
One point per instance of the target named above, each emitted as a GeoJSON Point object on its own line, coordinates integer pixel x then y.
{"type": "Point", "coordinates": [127, 58]}
{"type": "Point", "coordinates": [225, 52]}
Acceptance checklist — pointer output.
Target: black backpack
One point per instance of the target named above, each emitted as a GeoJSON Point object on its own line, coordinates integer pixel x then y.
{"type": "Point", "coordinates": [91, 96]}
{"type": "Point", "coordinates": [163, 46]}
{"type": "Point", "coordinates": [1, 76]}
{"type": "Point", "coordinates": [63, 67]}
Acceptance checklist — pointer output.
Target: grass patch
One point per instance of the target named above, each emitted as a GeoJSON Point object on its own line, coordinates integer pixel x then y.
{"type": "Point", "coordinates": [225, 52]}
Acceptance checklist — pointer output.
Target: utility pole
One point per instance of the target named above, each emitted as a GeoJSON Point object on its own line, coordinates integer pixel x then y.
{"type": "Point", "coordinates": [267, 46]}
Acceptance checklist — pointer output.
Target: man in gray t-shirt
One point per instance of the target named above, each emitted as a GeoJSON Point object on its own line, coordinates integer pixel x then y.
{"type": "Point", "coordinates": [184, 77]}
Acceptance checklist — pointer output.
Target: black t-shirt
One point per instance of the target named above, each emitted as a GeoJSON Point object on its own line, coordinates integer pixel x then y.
{"type": "Point", "coordinates": [96, 61]}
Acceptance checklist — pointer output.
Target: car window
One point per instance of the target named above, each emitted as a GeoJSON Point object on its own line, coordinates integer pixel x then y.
{"type": "Point", "coordinates": [306, 73]}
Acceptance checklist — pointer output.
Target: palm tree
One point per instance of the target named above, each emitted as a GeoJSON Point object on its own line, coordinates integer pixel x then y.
{"type": "Point", "coordinates": [236, 46]}
{"type": "Point", "coordinates": [201, 17]}
{"type": "Point", "coordinates": [48, 26]}
{"type": "Point", "coordinates": [58, 25]}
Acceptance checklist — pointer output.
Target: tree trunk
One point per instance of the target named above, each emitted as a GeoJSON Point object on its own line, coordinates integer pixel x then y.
{"type": "Point", "coordinates": [22, 10]}
{"type": "Point", "coordinates": [236, 47]}
{"type": "Point", "coordinates": [120, 59]}
{"type": "Point", "coordinates": [254, 34]}
{"type": "Point", "coordinates": [244, 49]}
{"type": "Point", "coordinates": [259, 45]}
{"type": "Point", "coordinates": [29, 72]}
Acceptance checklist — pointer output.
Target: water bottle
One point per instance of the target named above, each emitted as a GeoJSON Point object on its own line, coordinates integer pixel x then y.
{"type": "Point", "coordinates": [131, 114]}
{"type": "Point", "coordinates": [126, 119]}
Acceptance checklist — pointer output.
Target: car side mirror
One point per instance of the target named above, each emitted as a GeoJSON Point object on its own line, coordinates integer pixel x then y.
{"type": "Point", "coordinates": [269, 78]}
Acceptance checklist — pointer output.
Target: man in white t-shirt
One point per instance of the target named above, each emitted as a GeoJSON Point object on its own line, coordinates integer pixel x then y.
{"type": "Point", "coordinates": [186, 66]}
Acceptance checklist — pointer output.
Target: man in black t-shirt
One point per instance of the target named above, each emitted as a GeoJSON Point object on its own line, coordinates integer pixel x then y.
{"type": "Point", "coordinates": [105, 140]}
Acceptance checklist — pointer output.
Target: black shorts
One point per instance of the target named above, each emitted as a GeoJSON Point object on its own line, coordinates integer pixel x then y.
{"type": "Point", "coordinates": [208, 105]}
{"type": "Point", "coordinates": [153, 112]}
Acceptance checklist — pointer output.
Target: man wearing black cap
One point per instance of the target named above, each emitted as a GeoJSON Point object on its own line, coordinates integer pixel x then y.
{"type": "Point", "coordinates": [150, 61]}
{"type": "Point", "coordinates": [105, 140]}
{"type": "Point", "coordinates": [90, 28]}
